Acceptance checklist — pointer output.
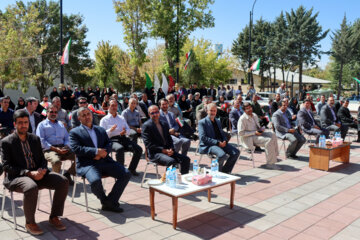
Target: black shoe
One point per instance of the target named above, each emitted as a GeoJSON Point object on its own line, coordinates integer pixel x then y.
{"type": "Point", "coordinates": [358, 140]}
{"type": "Point", "coordinates": [294, 157]}
{"type": "Point", "coordinates": [134, 173]}
{"type": "Point", "coordinates": [258, 149]}
{"type": "Point", "coordinates": [67, 175]}
{"type": "Point", "coordinates": [106, 207]}
{"type": "Point", "coordinates": [195, 137]}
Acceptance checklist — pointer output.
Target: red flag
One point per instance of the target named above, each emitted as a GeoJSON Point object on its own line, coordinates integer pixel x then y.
{"type": "Point", "coordinates": [171, 83]}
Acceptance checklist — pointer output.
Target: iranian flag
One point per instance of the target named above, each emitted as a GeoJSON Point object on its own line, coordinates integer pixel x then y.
{"type": "Point", "coordinates": [256, 65]}
{"type": "Point", "coordinates": [65, 56]}
{"type": "Point", "coordinates": [179, 122]}
{"type": "Point", "coordinates": [188, 57]}
{"type": "Point", "coordinates": [356, 79]}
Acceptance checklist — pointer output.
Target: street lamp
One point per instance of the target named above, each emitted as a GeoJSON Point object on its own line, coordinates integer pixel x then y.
{"type": "Point", "coordinates": [177, 42]}
{"type": "Point", "coordinates": [61, 44]}
{"type": "Point", "coordinates": [251, 20]}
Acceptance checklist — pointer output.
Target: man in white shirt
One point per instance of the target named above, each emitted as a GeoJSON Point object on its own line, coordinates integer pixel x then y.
{"type": "Point", "coordinates": [281, 90]}
{"type": "Point", "coordinates": [117, 129]}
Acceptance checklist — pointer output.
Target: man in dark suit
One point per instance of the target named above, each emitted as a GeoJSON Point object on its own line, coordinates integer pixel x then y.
{"type": "Point", "coordinates": [159, 143]}
{"type": "Point", "coordinates": [35, 118]}
{"type": "Point", "coordinates": [346, 119]}
{"type": "Point", "coordinates": [92, 146]}
{"type": "Point", "coordinates": [27, 172]}
{"type": "Point", "coordinates": [276, 103]}
{"type": "Point", "coordinates": [329, 119]}
{"type": "Point", "coordinates": [213, 140]}
{"type": "Point", "coordinates": [212, 92]}
{"type": "Point", "coordinates": [307, 122]}
{"type": "Point", "coordinates": [235, 114]}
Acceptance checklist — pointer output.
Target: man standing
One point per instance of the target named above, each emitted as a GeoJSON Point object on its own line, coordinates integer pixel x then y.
{"type": "Point", "coordinates": [27, 172]}
{"type": "Point", "coordinates": [6, 116]}
{"type": "Point", "coordinates": [92, 146]}
{"type": "Point", "coordinates": [285, 130]}
{"type": "Point", "coordinates": [281, 90]}
{"type": "Point", "coordinates": [320, 104]}
{"type": "Point", "coordinates": [346, 118]}
{"type": "Point", "coordinates": [31, 104]}
{"type": "Point", "coordinates": [213, 140]}
{"type": "Point", "coordinates": [180, 141]}
{"type": "Point", "coordinates": [117, 129]}
{"type": "Point", "coordinates": [329, 119]}
{"type": "Point", "coordinates": [252, 134]}
{"type": "Point", "coordinates": [132, 117]}
{"type": "Point", "coordinates": [55, 142]}
{"type": "Point", "coordinates": [235, 114]}
{"type": "Point", "coordinates": [307, 122]}
{"type": "Point", "coordinates": [212, 92]}
{"type": "Point", "coordinates": [159, 144]}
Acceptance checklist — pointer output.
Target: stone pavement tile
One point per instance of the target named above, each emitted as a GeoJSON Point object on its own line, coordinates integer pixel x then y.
{"type": "Point", "coordinates": [282, 232]}
{"type": "Point", "coordinates": [227, 236]}
{"type": "Point", "coordinates": [323, 209]}
{"type": "Point", "coordinates": [129, 228]}
{"type": "Point", "coordinates": [348, 215]}
{"type": "Point", "coordinates": [94, 225]}
{"type": "Point", "coordinates": [297, 206]}
{"type": "Point", "coordinates": [81, 217]}
{"type": "Point", "coordinates": [275, 218]}
{"type": "Point", "coordinates": [356, 223]}
{"type": "Point", "coordinates": [331, 225]}
{"type": "Point", "coordinates": [71, 232]}
{"type": "Point", "coordinates": [185, 236]}
{"type": "Point", "coordinates": [107, 234]}
{"type": "Point", "coordinates": [261, 224]}
{"type": "Point", "coordinates": [266, 205]}
{"type": "Point", "coordinates": [45, 236]}
{"type": "Point", "coordinates": [4, 225]}
{"type": "Point", "coordinates": [319, 232]}
{"type": "Point", "coordinates": [245, 232]}
{"type": "Point", "coordinates": [285, 211]}
{"type": "Point", "coordinates": [224, 224]}
{"type": "Point", "coordinates": [247, 200]}
{"type": "Point", "coordinates": [349, 233]}
{"type": "Point", "coordinates": [165, 230]}
{"type": "Point", "coordinates": [11, 234]}
{"type": "Point", "coordinates": [303, 236]}
{"type": "Point", "coordinates": [147, 222]}
{"type": "Point", "coordinates": [266, 236]}
{"type": "Point", "coordinates": [206, 231]}
{"type": "Point", "coordinates": [301, 221]}
{"type": "Point", "coordinates": [189, 223]}
{"type": "Point", "coordinates": [147, 234]}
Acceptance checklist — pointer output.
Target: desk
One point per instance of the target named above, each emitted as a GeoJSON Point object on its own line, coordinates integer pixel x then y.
{"type": "Point", "coordinates": [320, 157]}
{"type": "Point", "coordinates": [187, 188]}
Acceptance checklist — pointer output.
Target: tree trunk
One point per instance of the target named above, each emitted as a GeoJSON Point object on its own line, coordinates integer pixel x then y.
{"type": "Point", "coordinates": [275, 79]}
{"type": "Point", "coordinates": [300, 77]}
{"type": "Point", "coordinates": [340, 80]}
{"type": "Point", "coordinates": [133, 79]}
{"type": "Point", "coordinates": [283, 72]}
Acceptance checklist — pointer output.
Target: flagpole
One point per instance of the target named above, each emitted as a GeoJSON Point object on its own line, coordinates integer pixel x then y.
{"type": "Point", "coordinates": [61, 43]}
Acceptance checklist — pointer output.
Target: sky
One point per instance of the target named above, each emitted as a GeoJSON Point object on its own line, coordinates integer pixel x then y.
{"type": "Point", "coordinates": [231, 16]}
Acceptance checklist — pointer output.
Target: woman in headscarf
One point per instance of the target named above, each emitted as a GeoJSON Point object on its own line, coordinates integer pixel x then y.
{"type": "Point", "coordinates": [294, 105]}
{"type": "Point", "coordinates": [160, 94]}
{"type": "Point", "coordinates": [186, 109]}
{"type": "Point", "coordinates": [20, 103]}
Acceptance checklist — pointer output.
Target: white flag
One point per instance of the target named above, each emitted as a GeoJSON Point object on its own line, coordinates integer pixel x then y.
{"type": "Point", "coordinates": [164, 85]}
{"type": "Point", "coordinates": [156, 83]}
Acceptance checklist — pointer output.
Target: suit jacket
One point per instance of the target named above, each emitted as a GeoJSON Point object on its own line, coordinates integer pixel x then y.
{"type": "Point", "coordinates": [234, 116]}
{"type": "Point", "coordinates": [207, 134]}
{"type": "Point", "coordinates": [173, 123]}
{"type": "Point", "coordinates": [326, 117]}
{"type": "Point", "coordinates": [38, 119]}
{"type": "Point", "coordinates": [304, 120]}
{"type": "Point", "coordinates": [212, 92]}
{"type": "Point", "coordinates": [152, 138]}
{"type": "Point", "coordinates": [344, 115]}
{"type": "Point", "coordinates": [144, 108]}
{"type": "Point", "coordinates": [84, 149]}
{"type": "Point", "coordinates": [274, 106]}
{"type": "Point", "coordinates": [13, 158]}
{"type": "Point", "coordinates": [280, 124]}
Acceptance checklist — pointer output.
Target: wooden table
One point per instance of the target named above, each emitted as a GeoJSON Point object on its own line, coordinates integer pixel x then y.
{"type": "Point", "coordinates": [320, 157]}
{"type": "Point", "coordinates": [188, 188]}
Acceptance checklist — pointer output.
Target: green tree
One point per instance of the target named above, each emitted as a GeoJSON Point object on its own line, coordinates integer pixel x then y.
{"type": "Point", "coordinates": [304, 33]}
{"type": "Point", "coordinates": [132, 15]}
{"type": "Point", "coordinates": [343, 45]}
{"type": "Point", "coordinates": [104, 63]}
{"type": "Point", "coordinates": [174, 20]}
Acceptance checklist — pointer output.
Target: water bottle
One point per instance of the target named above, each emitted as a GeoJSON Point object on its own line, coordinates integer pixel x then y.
{"type": "Point", "coordinates": [195, 168]}
{"type": "Point", "coordinates": [216, 167]}
{"type": "Point", "coordinates": [213, 168]}
{"type": "Point", "coordinates": [322, 142]}
{"type": "Point", "coordinates": [172, 179]}
{"type": "Point", "coordinates": [168, 177]}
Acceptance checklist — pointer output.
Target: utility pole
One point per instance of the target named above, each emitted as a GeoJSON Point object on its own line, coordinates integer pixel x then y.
{"type": "Point", "coordinates": [177, 43]}
{"type": "Point", "coordinates": [61, 44]}
{"type": "Point", "coordinates": [250, 78]}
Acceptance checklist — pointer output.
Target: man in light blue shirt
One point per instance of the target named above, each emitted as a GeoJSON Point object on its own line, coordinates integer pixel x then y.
{"type": "Point", "coordinates": [55, 142]}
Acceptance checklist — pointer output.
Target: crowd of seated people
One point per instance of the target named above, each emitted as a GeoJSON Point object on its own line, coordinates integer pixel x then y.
{"type": "Point", "coordinates": [85, 127]}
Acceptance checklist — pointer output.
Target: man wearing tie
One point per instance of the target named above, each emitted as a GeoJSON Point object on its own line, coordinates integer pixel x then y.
{"type": "Point", "coordinates": [308, 124]}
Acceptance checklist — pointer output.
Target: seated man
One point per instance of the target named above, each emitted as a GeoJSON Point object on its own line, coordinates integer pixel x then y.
{"type": "Point", "coordinates": [132, 117]}
{"type": "Point", "coordinates": [329, 119]}
{"type": "Point", "coordinates": [27, 172]}
{"type": "Point", "coordinates": [202, 112]}
{"type": "Point", "coordinates": [35, 118]}
{"type": "Point", "coordinates": [234, 115]}
{"type": "Point", "coordinates": [62, 113]}
{"type": "Point", "coordinates": [180, 141]}
{"type": "Point", "coordinates": [55, 142]}
{"type": "Point", "coordinates": [253, 134]}
{"type": "Point", "coordinates": [117, 129]}
{"type": "Point", "coordinates": [213, 140]}
{"type": "Point", "coordinates": [346, 119]}
{"type": "Point", "coordinates": [285, 130]}
{"type": "Point", "coordinates": [307, 122]}
{"type": "Point", "coordinates": [6, 116]}
{"type": "Point", "coordinates": [92, 146]}
{"type": "Point", "coordinates": [159, 144]}
{"type": "Point", "coordinates": [320, 104]}
{"type": "Point", "coordinates": [276, 103]}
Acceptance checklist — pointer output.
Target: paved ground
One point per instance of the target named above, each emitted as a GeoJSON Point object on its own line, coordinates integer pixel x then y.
{"type": "Point", "coordinates": [293, 203]}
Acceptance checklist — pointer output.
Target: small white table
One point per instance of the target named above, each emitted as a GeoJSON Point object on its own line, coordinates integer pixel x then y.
{"type": "Point", "coordinates": [187, 188]}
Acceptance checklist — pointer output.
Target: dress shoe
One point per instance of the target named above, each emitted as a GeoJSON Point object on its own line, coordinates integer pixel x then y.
{"type": "Point", "coordinates": [106, 207]}
{"type": "Point", "coordinates": [58, 225]}
{"type": "Point", "coordinates": [258, 149]}
{"type": "Point", "coordinates": [134, 173]}
{"type": "Point", "coordinates": [67, 175]}
{"type": "Point", "coordinates": [294, 157]}
{"type": "Point", "coordinates": [33, 229]}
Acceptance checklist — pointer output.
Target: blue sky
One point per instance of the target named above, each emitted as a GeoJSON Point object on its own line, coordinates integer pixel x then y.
{"type": "Point", "coordinates": [231, 16]}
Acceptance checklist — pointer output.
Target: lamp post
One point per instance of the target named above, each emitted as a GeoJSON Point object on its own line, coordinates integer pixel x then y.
{"type": "Point", "coordinates": [250, 28]}
{"type": "Point", "coordinates": [177, 42]}
{"type": "Point", "coordinates": [61, 44]}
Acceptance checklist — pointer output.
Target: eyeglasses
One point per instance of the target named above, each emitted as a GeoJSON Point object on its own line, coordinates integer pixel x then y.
{"type": "Point", "coordinates": [53, 112]}
{"type": "Point", "coordinates": [154, 113]}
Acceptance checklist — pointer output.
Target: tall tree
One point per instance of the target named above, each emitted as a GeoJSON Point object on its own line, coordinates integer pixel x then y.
{"type": "Point", "coordinates": [174, 20]}
{"type": "Point", "coordinates": [343, 45]}
{"type": "Point", "coordinates": [104, 62]}
{"type": "Point", "coordinates": [305, 33]}
{"type": "Point", "coordinates": [132, 14]}
{"type": "Point", "coordinates": [240, 48]}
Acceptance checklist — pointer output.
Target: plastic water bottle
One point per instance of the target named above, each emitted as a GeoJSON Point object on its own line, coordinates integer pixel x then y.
{"type": "Point", "coordinates": [322, 141]}
{"type": "Point", "coordinates": [195, 168]}
{"type": "Point", "coordinates": [172, 178]}
{"type": "Point", "coordinates": [168, 177]}
{"type": "Point", "coordinates": [337, 135]}
{"type": "Point", "coordinates": [216, 168]}
{"type": "Point", "coordinates": [213, 168]}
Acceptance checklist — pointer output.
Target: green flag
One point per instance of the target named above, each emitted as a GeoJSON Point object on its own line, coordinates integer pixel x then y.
{"type": "Point", "coordinates": [148, 84]}
{"type": "Point", "coordinates": [356, 79]}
